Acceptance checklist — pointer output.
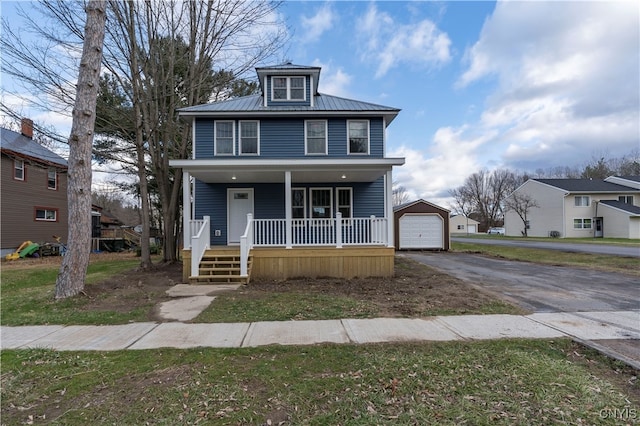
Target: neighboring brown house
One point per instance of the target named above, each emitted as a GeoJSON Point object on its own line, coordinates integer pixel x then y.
{"type": "Point", "coordinates": [421, 225]}
{"type": "Point", "coordinates": [33, 190]}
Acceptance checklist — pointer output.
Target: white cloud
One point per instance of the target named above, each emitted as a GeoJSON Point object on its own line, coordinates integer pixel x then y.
{"type": "Point", "coordinates": [317, 24]}
{"type": "Point", "coordinates": [334, 80]}
{"type": "Point", "coordinates": [391, 44]}
{"type": "Point", "coordinates": [567, 81]}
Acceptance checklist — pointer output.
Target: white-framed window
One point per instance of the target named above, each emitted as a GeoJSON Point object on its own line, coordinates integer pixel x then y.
{"type": "Point", "coordinates": [628, 199]}
{"type": "Point", "coordinates": [249, 137]}
{"type": "Point", "coordinates": [582, 201]}
{"type": "Point", "coordinates": [288, 88]}
{"type": "Point", "coordinates": [344, 201]}
{"type": "Point", "coordinates": [358, 136]}
{"type": "Point", "coordinates": [52, 179]}
{"type": "Point", "coordinates": [224, 137]}
{"type": "Point", "coordinates": [527, 224]}
{"type": "Point", "coordinates": [321, 203]}
{"type": "Point", "coordinates": [46, 214]}
{"type": "Point", "coordinates": [315, 137]}
{"type": "Point", "coordinates": [18, 169]}
{"type": "Point", "coordinates": [582, 223]}
{"type": "Point", "coordinates": [460, 227]}
{"type": "Point", "coordinates": [298, 203]}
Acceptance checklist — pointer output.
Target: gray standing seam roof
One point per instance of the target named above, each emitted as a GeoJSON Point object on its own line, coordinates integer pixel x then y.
{"type": "Point", "coordinates": [254, 103]}
{"type": "Point", "coordinates": [585, 185]}
{"type": "Point", "coordinates": [27, 147]}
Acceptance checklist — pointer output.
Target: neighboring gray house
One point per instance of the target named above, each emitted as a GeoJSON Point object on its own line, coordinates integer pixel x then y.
{"type": "Point", "coordinates": [33, 190]}
{"type": "Point", "coordinates": [289, 182]}
{"type": "Point", "coordinates": [576, 208]}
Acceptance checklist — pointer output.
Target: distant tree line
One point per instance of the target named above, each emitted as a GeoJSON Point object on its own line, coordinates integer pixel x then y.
{"type": "Point", "coordinates": [483, 195]}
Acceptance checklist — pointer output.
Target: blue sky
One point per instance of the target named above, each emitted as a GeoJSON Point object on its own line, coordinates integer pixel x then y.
{"type": "Point", "coordinates": [520, 84]}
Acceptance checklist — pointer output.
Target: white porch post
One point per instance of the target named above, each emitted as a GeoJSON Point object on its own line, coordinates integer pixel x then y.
{"type": "Point", "coordinates": [186, 210]}
{"type": "Point", "coordinates": [388, 186]}
{"type": "Point", "coordinates": [287, 209]}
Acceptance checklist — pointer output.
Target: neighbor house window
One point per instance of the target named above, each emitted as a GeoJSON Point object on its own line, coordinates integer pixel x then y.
{"type": "Point", "coordinates": [320, 203]}
{"type": "Point", "coordinates": [298, 202]}
{"type": "Point", "coordinates": [224, 138]}
{"type": "Point", "coordinates": [582, 201]}
{"type": "Point", "coordinates": [527, 224]}
{"type": "Point", "coordinates": [358, 134]}
{"type": "Point", "coordinates": [581, 223]}
{"type": "Point", "coordinates": [315, 135]}
{"type": "Point", "coordinates": [628, 199]}
{"type": "Point", "coordinates": [249, 139]}
{"type": "Point", "coordinates": [52, 179]}
{"type": "Point", "coordinates": [46, 214]}
{"type": "Point", "coordinates": [287, 89]}
{"type": "Point", "coordinates": [344, 200]}
{"type": "Point", "coordinates": [460, 226]}
{"type": "Point", "coordinates": [18, 169]}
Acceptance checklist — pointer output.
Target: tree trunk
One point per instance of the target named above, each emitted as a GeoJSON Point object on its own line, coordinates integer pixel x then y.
{"type": "Point", "coordinates": [73, 269]}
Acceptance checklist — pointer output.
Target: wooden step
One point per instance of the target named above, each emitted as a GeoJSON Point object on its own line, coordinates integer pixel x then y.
{"type": "Point", "coordinates": [221, 268]}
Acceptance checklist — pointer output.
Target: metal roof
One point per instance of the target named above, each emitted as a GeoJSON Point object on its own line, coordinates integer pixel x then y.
{"type": "Point", "coordinates": [585, 185]}
{"type": "Point", "coordinates": [23, 146]}
{"type": "Point", "coordinates": [323, 104]}
{"type": "Point", "coordinates": [629, 208]}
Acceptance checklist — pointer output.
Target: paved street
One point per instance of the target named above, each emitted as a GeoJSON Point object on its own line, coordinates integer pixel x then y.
{"type": "Point", "coordinates": [615, 250]}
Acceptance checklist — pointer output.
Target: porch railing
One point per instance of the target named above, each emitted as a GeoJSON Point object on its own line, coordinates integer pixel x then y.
{"type": "Point", "coordinates": [246, 244]}
{"type": "Point", "coordinates": [200, 242]}
{"type": "Point", "coordinates": [321, 232]}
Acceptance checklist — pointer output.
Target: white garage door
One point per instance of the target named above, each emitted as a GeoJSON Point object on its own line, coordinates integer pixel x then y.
{"type": "Point", "coordinates": [421, 231]}
{"type": "Point", "coordinates": [472, 229]}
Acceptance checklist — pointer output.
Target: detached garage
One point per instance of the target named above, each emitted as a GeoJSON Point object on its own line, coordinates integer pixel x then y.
{"type": "Point", "coordinates": [421, 225]}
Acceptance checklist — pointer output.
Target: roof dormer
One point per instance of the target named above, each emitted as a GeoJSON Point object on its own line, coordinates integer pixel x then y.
{"type": "Point", "coordinates": [288, 84]}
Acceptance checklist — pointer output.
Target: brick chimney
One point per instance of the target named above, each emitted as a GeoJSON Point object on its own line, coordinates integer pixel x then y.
{"type": "Point", "coordinates": [27, 128]}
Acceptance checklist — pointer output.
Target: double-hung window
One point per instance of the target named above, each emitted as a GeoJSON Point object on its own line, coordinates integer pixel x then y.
{"type": "Point", "coordinates": [581, 223]}
{"type": "Point", "coordinates": [315, 135]}
{"type": "Point", "coordinates": [287, 89]}
{"type": "Point", "coordinates": [52, 179]}
{"type": "Point", "coordinates": [249, 137]}
{"type": "Point", "coordinates": [46, 214]}
{"type": "Point", "coordinates": [298, 203]}
{"type": "Point", "coordinates": [18, 169]}
{"type": "Point", "coordinates": [344, 201]}
{"type": "Point", "coordinates": [628, 199]}
{"type": "Point", "coordinates": [358, 134]}
{"type": "Point", "coordinates": [582, 201]}
{"type": "Point", "coordinates": [321, 203]}
{"type": "Point", "coordinates": [224, 138]}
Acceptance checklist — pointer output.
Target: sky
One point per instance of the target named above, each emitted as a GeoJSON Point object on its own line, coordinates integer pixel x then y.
{"type": "Point", "coordinates": [524, 85]}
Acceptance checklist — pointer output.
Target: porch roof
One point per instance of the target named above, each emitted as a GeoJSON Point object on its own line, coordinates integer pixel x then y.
{"type": "Point", "coordinates": [273, 170]}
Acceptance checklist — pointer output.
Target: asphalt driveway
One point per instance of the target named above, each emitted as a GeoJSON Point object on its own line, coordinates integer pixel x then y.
{"type": "Point", "coordinates": [610, 249]}
{"type": "Point", "coordinates": [540, 288]}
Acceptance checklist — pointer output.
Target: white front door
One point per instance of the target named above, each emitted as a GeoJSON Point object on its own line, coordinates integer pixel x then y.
{"type": "Point", "coordinates": [240, 202]}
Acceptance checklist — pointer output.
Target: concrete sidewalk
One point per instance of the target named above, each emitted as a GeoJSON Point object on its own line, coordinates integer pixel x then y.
{"type": "Point", "coordinates": [582, 326]}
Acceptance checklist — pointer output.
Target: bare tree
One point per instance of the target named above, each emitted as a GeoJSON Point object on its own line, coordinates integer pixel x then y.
{"type": "Point", "coordinates": [400, 195]}
{"type": "Point", "coordinates": [521, 204]}
{"type": "Point", "coordinates": [73, 269]}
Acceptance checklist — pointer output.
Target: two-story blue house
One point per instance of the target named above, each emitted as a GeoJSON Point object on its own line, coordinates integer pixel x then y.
{"type": "Point", "coordinates": [288, 183]}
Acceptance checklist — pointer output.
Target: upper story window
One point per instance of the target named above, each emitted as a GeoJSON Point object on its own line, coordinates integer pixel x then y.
{"type": "Point", "coordinates": [18, 169]}
{"type": "Point", "coordinates": [626, 199]}
{"type": "Point", "coordinates": [358, 134]}
{"type": "Point", "coordinates": [287, 89]}
{"type": "Point", "coordinates": [249, 137]}
{"type": "Point", "coordinates": [52, 179]}
{"type": "Point", "coordinates": [224, 136]}
{"type": "Point", "coordinates": [315, 137]}
{"type": "Point", "coordinates": [582, 201]}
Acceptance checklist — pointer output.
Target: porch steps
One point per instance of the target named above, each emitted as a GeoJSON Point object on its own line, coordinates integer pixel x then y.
{"type": "Point", "coordinates": [216, 268]}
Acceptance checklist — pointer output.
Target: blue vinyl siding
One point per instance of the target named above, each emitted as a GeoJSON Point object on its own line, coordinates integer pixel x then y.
{"type": "Point", "coordinates": [284, 138]}
{"type": "Point", "coordinates": [211, 200]}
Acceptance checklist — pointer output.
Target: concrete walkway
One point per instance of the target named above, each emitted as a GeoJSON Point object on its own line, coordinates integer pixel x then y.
{"type": "Point", "coordinates": [581, 326]}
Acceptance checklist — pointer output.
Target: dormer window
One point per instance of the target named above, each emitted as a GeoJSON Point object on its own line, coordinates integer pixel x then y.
{"type": "Point", "coordinates": [287, 89]}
